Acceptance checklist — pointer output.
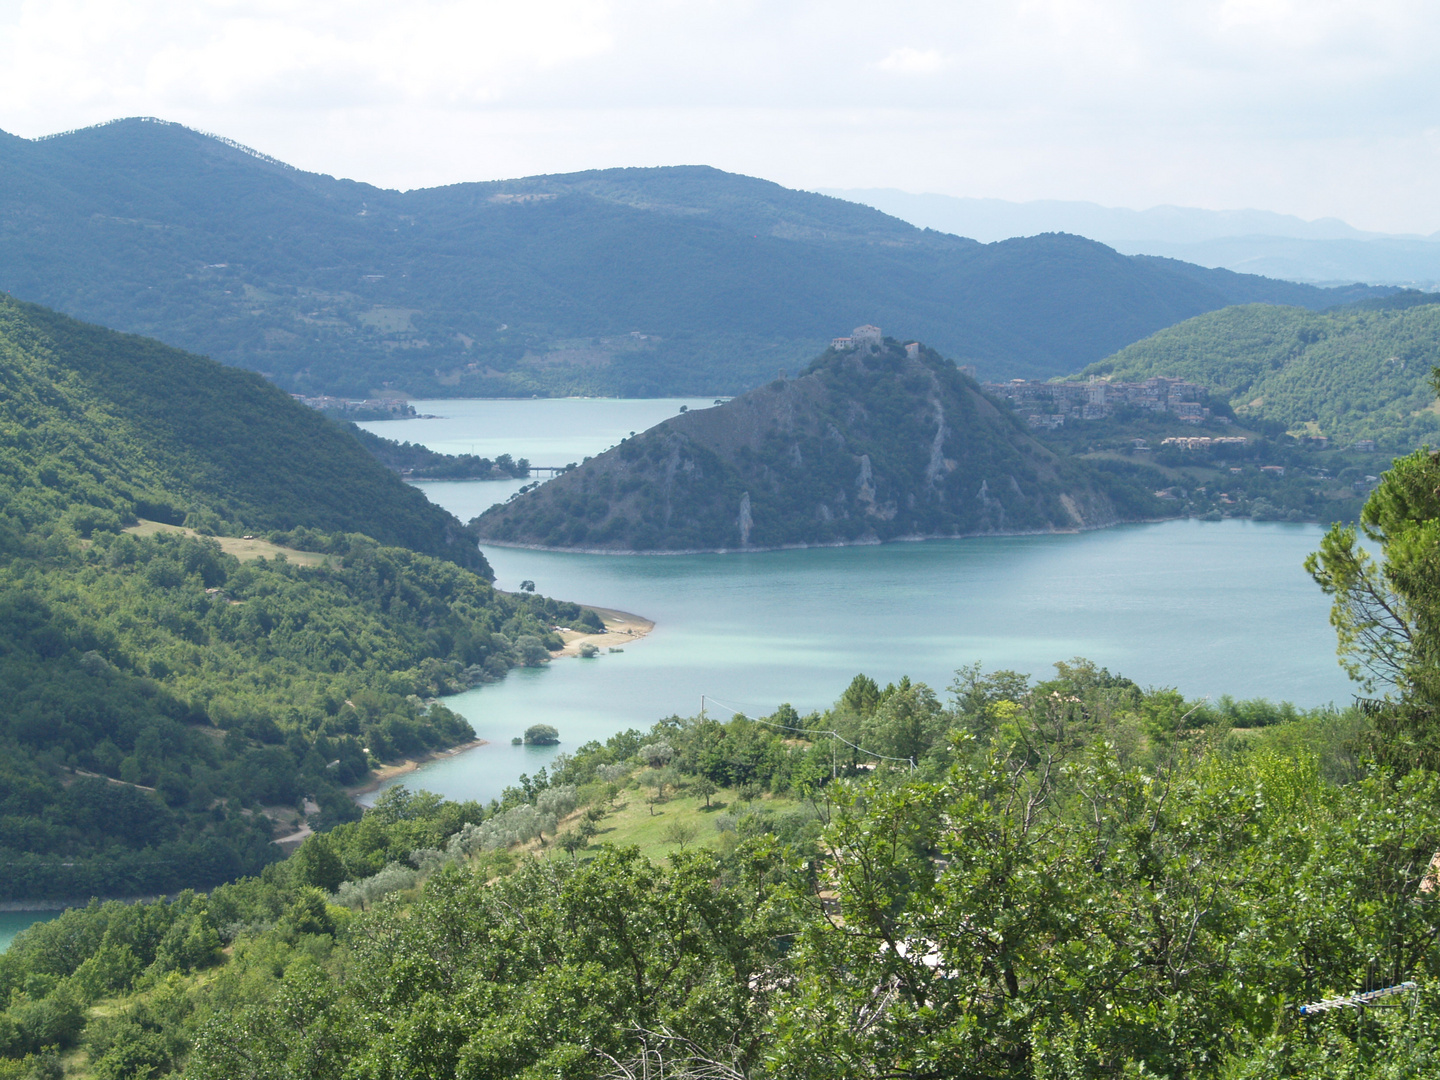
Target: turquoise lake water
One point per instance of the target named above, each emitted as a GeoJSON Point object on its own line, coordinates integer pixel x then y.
{"type": "Point", "coordinates": [12, 922]}
{"type": "Point", "coordinates": [548, 431]}
{"type": "Point", "coordinates": [1210, 608]}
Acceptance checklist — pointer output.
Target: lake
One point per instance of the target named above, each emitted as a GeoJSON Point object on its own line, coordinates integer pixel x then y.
{"type": "Point", "coordinates": [1210, 608]}
{"type": "Point", "coordinates": [12, 922]}
{"type": "Point", "coordinates": [547, 431]}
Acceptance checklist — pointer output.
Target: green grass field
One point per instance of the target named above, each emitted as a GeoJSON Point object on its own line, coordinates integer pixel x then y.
{"type": "Point", "coordinates": [631, 822]}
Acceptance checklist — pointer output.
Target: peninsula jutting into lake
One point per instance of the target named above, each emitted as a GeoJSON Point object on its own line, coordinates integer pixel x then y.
{"type": "Point", "coordinates": [876, 440]}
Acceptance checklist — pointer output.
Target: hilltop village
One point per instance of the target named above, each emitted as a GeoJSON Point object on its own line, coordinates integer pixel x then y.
{"type": "Point", "coordinates": [867, 337]}
{"type": "Point", "coordinates": [1050, 404]}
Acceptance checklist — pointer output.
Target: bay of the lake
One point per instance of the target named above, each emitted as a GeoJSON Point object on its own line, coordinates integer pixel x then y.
{"type": "Point", "coordinates": [547, 431]}
{"type": "Point", "coordinates": [552, 432]}
{"type": "Point", "coordinates": [1209, 608]}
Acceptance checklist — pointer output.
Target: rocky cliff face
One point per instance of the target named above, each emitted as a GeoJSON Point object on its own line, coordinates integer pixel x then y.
{"type": "Point", "coordinates": [867, 445]}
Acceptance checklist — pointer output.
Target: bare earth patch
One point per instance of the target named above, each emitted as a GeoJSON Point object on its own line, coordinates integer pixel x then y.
{"type": "Point", "coordinates": [243, 549]}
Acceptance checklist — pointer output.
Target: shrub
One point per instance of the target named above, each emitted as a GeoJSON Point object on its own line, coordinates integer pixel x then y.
{"type": "Point", "coordinates": [531, 650]}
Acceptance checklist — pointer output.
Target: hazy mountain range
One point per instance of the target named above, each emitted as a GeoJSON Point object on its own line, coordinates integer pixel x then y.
{"type": "Point", "coordinates": [639, 282]}
{"type": "Point", "coordinates": [1247, 241]}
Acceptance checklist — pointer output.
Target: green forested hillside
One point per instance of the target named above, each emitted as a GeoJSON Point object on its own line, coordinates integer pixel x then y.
{"type": "Point", "coordinates": [100, 426]}
{"type": "Point", "coordinates": [418, 462]}
{"type": "Point", "coordinates": [164, 663]}
{"type": "Point", "coordinates": [866, 446]}
{"type": "Point", "coordinates": [638, 282]}
{"type": "Point", "coordinates": [1354, 373]}
{"type": "Point", "coordinates": [1069, 878]}
{"type": "Point", "coordinates": [157, 692]}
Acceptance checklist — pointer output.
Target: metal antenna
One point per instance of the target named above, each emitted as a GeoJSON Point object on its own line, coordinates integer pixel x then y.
{"type": "Point", "coordinates": [1364, 1000]}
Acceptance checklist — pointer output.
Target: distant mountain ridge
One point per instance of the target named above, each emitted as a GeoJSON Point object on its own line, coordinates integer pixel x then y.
{"type": "Point", "coordinates": [642, 282]}
{"type": "Point", "coordinates": [872, 443]}
{"type": "Point", "coordinates": [996, 219]}
{"type": "Point", "coordinates": [1245, 241]}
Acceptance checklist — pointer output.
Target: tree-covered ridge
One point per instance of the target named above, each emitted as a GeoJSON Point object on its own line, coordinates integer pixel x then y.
{"type": "Point", "coordinates": [1353, 373]}
{"type": "Point", "coordinates": [158, 693]}
{"type": "Point", "coordinates": [867, 445]}
{"type": "Point", "coordinates": [633, 282]}
{"type": "Point", "coordinates": [1386, 609]}
{"type": "Point", "coordinates": [1077, 878]}
{"type": "Point", "coordinates": [100, 427]}
{"type": "Point", "coordinates": [417, 462]}
{"type": "Point", "coordinates": [164, 663]}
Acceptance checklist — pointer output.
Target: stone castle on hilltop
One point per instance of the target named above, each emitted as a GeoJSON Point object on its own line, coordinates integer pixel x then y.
{"type": "Point", "coordinates": [861, 337]}
{"type": "Point", "coordinates": [868, 337]}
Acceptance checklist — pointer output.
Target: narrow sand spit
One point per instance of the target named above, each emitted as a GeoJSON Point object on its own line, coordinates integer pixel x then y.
{"type": "Point", "coordinates": [621, 627]}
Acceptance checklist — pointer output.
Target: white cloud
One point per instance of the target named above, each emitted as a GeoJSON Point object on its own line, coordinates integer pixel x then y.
{"type": "Point", "coordinates": [204, 53]}
{"type": "Point", "coordinates": [908, 61]}
{"type": "Point", "coordinates": [1315, 107]}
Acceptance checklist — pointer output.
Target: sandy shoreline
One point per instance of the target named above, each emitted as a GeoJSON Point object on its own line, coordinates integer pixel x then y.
{"type": "Point", "coordinates": [409, 765]}
{"type": "Point", "coordinates": [621, 627]}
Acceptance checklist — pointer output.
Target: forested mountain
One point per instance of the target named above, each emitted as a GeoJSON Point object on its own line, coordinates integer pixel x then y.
{"type": "Point", "coordinates": [159, 693]}
{"type": "Point", "coordinates": [1359, 372]}
{"type": "Point", "coordinates": [630, 281]}
{"type": "Point", "coordinates": [868, 444]}
{"type": "Point", "coordinates": [105, 426]}
{"type": "Point", "coordinates": [419, 462]}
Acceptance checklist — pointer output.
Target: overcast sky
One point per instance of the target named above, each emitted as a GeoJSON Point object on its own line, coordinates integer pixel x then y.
{"type": "Point", "coordinates": [1311, 108]}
